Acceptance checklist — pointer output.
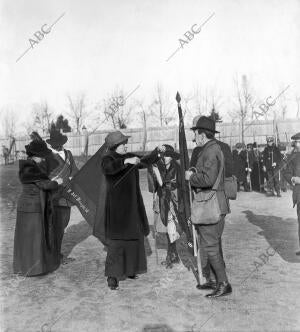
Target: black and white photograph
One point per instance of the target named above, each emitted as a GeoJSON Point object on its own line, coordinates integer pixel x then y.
{"type": "Point", "coordinates": [150, 166]}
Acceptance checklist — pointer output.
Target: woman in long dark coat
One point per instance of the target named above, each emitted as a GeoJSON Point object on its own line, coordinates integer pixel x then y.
{"type": "Point", "coordinates": [35, 244]}
{"type": "Point", "coordinates": [126, 222]}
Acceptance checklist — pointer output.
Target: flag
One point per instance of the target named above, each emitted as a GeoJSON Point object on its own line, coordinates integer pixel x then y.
{"type": "Point", "coordinates": [87, 190]}
{"type": "Point", "coordinates": [184, 163]}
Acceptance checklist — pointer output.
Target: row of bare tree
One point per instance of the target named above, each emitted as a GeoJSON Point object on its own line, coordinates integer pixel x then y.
{"type": "Point", "coordinates": [118, 110]}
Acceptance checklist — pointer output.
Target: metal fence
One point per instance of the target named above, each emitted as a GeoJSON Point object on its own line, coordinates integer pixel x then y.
{"type": "Point", "coordinates": [230, 133]}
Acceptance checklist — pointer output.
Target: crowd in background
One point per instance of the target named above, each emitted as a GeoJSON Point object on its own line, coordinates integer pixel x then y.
{"type": "Point", "coordinates": [260, 168]}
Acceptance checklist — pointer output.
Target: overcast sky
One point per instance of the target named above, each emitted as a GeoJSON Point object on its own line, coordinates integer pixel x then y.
{"type": "Point", "coordinates": [98, 45]}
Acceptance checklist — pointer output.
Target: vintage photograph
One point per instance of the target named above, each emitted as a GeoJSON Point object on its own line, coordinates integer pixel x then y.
{"type": "Point", "coordinates": [150, 166]}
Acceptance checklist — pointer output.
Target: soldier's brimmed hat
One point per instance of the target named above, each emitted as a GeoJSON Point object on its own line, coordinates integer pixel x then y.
{"type": "Point", "coordinates": [270, 139]}
{"type": "Point", "coordinates": [239, 145]}
{"type": "Point", "coordinates": [249, 146]}
{"type": "Point", "coordinates": [195, 120]}
{"type": "Point", "coordinates": [205, 123]}
{"type": "Point", "coordinates": [170, 152]}
{"type": "Point", "coordinates": [296, 137]}
{"type": "Point", "coordinates": [57, 138]}
{"type": "Point", "coordinates": [37, 149]}
{"type": "Point", "coordinates": [115, 138]}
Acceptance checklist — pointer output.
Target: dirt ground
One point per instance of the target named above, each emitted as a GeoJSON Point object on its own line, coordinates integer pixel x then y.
{"type": "Point", "coordinates": [260, 240]}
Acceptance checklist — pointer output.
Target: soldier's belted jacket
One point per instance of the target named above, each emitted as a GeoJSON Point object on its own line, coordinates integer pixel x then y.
{"type": "Point", "coordinates": [208, 165]}
{"type": "Point", "coordinates": [63, 169]}
{"type": "Point", "coordinates": [271, 155]}
{"type": "Point", "coordinates": [293, 169]}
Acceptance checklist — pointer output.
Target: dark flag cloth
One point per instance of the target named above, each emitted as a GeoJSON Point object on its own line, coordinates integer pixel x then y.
{"type": "Point", "coordinates": [185, 251]}
{"type": "Point", "coordinates": [184, 163]}
{"type": "Point", "coordinates": [87, 190]}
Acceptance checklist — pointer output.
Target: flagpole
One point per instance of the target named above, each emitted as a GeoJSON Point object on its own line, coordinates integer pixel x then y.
{"type": "Point", "coordinates": [155, 217]}
{"type": "Point", "coordinates": [193, 226]}
{"type": "Point", "coordinates": [184, 164]}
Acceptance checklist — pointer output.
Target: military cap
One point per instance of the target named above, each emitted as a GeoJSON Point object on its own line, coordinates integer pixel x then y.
{"type": "Point", "coordinates": [296, 137]}
{"type": "Point", "coordinates": [270, 139]}
{"type": "Point", "coordinates": [239, 145]}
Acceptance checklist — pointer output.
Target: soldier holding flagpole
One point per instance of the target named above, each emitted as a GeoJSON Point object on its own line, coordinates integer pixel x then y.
{"type": "Point", "coordinates": [209, 172]}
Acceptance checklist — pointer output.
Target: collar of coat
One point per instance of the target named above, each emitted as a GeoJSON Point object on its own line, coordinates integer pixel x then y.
{"type": "Point", "coordinates": [209, 144]}
{"type": "Point", "coordinates": [30, 172]}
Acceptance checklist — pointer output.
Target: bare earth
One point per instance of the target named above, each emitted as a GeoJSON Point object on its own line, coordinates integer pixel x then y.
{"type": "Point", "coordinates": [265, 282]}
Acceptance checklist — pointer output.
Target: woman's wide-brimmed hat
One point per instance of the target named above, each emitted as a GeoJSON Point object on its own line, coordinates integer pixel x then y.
{"type": "Point", "coordinates": [205, 123]}
{"type": "Point", "coordinates": [57, 138]}
{"type": "Point", "coordinates": [115, 138]}
{"type": "Point", "coordinates": [170, 152]}
{"type": "Point", "coordinates": [37, 149]}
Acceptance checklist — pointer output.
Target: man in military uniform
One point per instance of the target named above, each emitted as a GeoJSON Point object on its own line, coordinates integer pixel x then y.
{"type": "Point", "coordinates": [248, 158]}
{"type": "Point", "coordinates": [60, 164]}
{"type": "Point", "coordinates": [292, 175]}
{"type": "Point", "coordinates": [208, 167]}
{"type": "Point", "coordinates": [257, 176]}
{"type": "Point", "coordinates": [239, 166]}
{"type": "Point", "coordinates": [271, 165]}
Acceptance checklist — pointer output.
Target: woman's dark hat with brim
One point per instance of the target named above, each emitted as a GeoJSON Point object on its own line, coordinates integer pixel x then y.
{"type": "Point", "coordinates": [37, 149]}
{"type": "Point", "coordinates": [57, 138]}
{"type": "Point", "coordinates": [115, 138]}
{"type": "Point", "coordinates": [205, 123]}
{"type": "Point", "coordinates": [170, 152]}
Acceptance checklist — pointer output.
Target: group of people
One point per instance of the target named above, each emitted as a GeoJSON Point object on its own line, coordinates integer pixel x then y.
{"type": "Point", "coordinates": [258, 168]}
{"type": "Point", "coordinates": [43, 213]}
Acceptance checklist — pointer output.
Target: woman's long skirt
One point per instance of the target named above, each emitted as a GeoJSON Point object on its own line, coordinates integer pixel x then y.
{"type": "Point", "coordinates": [125, 258]}
{"type": "Point", "coordinates": [32, 255]}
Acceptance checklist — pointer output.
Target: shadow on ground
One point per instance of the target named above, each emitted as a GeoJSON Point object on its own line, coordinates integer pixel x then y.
{"type": "Point", "coordinates": [280, 233]}
{"type": "Point", "coordinates": [157, 328]}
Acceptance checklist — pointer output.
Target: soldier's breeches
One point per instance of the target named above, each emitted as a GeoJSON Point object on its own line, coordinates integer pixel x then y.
{"type": "Point", "coordinates": [273, 180]}
{"type": "Point", "coordinates": [210, 242]}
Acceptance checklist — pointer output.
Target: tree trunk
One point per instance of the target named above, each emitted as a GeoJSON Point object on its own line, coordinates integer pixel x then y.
{"type": "Point", "coordinates": [144, 132]}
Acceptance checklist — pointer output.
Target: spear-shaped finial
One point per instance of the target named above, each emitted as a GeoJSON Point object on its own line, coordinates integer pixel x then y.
{"type": "Point", "coordinates": [178, 98]}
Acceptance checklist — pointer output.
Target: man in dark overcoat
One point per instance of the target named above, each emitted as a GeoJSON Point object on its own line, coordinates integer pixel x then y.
{"type": "Point", "coordinates": [272, 159]}
{"type": "Point", "coordinates": [292, 175]}
{"type": "Point", "coordinates": [239, 166]}
{"type": "Point", "coordinates": [60, 164]}
{"type": "Point", "coordinates": [257, 176]}
{"type": "Point", "coordinates": [248, 157]}
{"type": "Point", "coordinates": [207, 169]}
